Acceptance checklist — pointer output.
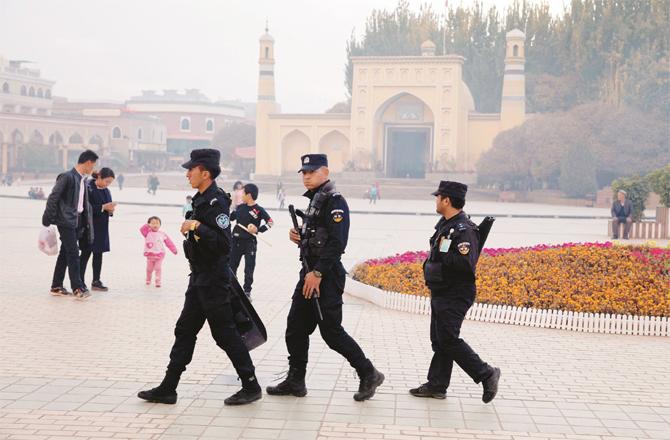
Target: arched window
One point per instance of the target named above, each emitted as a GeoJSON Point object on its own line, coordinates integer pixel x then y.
{"type": "Point", "coordinates": [515, 50]}
{"type": "Point", "coordinates": [210, 126]}
{"type": "Point", "coordinates": [185, 123]}
{"type": "Point", "coordinates": [139, 133]}
{"type": "Point", "coordinates": [116, 133]}
{"type": "Point", "coordinates": [24, 91]}
{"type": "Point", "coordinates": [5, 88]}
{"type": "Point", "coordinates": [47, 94]}
{"type": "Point", "coordinates": [31, 92]}
{"type": "Point", "coordinates": [267, 52]}
{"type": "Point", "coordinates": [40, 93]}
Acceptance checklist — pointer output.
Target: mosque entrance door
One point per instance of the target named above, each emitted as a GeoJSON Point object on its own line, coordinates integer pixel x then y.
{"type": "Point", "coordinates": [407, 152]}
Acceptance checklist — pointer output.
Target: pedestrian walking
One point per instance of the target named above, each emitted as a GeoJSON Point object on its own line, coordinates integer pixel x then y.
{"type": "Point", "coordinates": [449, 273]}
{"type": "Point", "coordinates": [68, 208]}
{"type": "Point", "coordinates": [317, 298]}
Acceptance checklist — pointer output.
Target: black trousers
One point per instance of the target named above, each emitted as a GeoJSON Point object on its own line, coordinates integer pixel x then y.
{"type": "Point", "coordinates": [68, 257]}
{"type": "Point", "coordinates": [447, 314]}
{"type": "Point", "coordinates": [211, 303]}
{"type": "Point", "coordinates": [83, 262]}
{"type": "Point", "coordinates": [246, 248]}
{"type": "Point", "coordinates": [302, 321]}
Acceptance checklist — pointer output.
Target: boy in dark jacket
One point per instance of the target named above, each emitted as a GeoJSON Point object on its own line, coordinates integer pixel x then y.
{"type": "Point", "coordinates": [248, 216]}
{"type": "Point", "coordinates": [69, 209]}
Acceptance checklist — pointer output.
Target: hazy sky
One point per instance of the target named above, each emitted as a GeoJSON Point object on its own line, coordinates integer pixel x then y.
{"type": "Point", "coordinates": [112, 49]}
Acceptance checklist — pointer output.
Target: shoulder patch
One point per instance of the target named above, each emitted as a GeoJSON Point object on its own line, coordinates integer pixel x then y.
{"type": "Point", "coordinates": [223, 221]}
{"type": "Point", "coordinates": [464, 248]}
{"type": "Point", "coordinates": [461, 227]}
{"type": "Point", "coordinates": [337, 214]}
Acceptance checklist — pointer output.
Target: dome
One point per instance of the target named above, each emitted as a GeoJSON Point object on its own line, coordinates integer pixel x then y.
{"type": "Point", "coordinates": [516, 33]}
{"type": "Point", "coordinates": [267, 37]}
{"type": "Point", "coordinates": [428, 44]}
{"type": "Point", "coordinates": [428, 48]}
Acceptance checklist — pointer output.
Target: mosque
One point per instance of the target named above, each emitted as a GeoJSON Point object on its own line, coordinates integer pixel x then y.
{"type": "Point", "coordinates": [410, 115]}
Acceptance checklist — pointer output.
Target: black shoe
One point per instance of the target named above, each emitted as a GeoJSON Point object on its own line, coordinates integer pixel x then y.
{"type": "Point", "coordinates": [158, 395]}
{"type": "Point", "coordinates": [491, 385]}
{"type": "Point", "coordinates": [427, 390]}
{"type": "Point", "coordinates": [293, 385]}
{"type": "Point", "coordinates": [244, 397]}
{"type": "Point", "coordinates": [59, 291]}
{"type": "Point", "coordinates": [368, 386]}
{"type": "Point", "coordinates": [97, 285]}
{"type": "Point", "coordinates": [81, 294]}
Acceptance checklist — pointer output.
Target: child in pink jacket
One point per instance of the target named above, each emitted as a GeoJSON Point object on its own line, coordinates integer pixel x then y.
{"type": "Point", "coordinates": [154, 250]}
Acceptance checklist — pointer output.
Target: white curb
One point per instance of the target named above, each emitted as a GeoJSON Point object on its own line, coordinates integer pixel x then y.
{"type": "Point", "coordinates": [559, 319]}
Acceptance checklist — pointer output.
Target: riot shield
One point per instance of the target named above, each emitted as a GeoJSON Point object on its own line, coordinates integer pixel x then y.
{"type": "Point", "coordinates": [248, 322]}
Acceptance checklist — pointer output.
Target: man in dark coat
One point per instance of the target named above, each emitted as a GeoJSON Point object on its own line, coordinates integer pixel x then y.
{"type": "Point", "coordinates": [69, 209]}
{"type": "Point", "coordinates": [622, 214]}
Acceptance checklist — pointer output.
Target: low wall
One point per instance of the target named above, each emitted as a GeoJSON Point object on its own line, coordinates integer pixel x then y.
{"type": "Point", "coordinates": [647, 229]}
{"type": "Point", "coordinates": [557, 319]}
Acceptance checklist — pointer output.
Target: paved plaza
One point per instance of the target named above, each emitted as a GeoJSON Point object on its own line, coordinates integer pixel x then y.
{"type": "Point", "coordinates": [72, 369]}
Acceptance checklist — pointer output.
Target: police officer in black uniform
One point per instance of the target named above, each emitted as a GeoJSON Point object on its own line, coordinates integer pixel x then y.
{"type": "Point", "coordinates": [209, 295]}
{"type": "Point", "coordinates": [325, 232]}
{"type": "Point", "coordinates": [248, 216]}
{"type": "Point", "coordinates": [449, 272]}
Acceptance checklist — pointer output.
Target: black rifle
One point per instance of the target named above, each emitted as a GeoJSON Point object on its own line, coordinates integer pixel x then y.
{"type": "Point", "coordinates": [303, 258]}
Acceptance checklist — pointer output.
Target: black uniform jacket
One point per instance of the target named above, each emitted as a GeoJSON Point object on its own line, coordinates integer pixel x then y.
{"type": "Point", "coordinates": [210, 243]}
{"type": "Point", "coordinates": [454, 251]}
{"type": "Point", "coordinates": [334, 217]}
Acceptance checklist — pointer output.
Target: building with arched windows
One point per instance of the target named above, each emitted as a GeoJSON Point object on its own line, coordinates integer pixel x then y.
{"type": "Point", "coordinates": [410, 115]}
{"type": "Point", "coordinates": [191, 118]}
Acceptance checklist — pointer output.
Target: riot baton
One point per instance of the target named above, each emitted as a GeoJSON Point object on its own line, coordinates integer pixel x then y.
{"type": "Point", "coordinates": [303, 259]}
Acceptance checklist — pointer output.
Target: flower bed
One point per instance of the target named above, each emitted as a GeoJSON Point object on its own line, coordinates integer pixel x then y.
{"type": "Point", "coordinates": [589, 277]}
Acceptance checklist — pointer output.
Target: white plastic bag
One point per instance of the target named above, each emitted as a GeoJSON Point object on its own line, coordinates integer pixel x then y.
{"type": "Point", "coordinates": [48, 240]}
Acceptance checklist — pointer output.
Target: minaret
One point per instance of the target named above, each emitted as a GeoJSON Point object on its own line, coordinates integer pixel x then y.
{"type": "Point", "coordinates": [513, 106]}
{"type": "Point", "coordinates": [266, 105]}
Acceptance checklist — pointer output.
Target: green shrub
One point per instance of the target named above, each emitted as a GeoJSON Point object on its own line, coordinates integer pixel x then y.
{"type": "Point", "coordinates": [659, 182]}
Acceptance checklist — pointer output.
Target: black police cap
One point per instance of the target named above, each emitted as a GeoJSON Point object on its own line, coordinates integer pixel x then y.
{"type": "Point", "coordinates": [209, 158]}
{"type": "Point", "coordinates": [311, 162]}
{"type": "Point", "coordinates": [451, 189]}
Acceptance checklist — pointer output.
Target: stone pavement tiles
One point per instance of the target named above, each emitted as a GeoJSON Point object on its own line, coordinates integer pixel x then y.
{"type": "Point", "coordinates": [71, 370]}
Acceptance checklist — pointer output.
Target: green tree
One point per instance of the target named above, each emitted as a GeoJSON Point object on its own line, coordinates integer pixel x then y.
{"type": "Point", "coordinates": [578, 173]}
{"type": "Point", "coordinates": [612, 51]}
{"type": "Point", "coordinates": [659, 182]}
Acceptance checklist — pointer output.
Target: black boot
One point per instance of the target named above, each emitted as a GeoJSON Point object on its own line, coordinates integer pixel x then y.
{"type": "Point", "coordinates": [159, 395]}
{"type": "Point", "coordinates": [166, 392]}
{"type": "Point", "coordinates": [369, 384]}
{"type": "Point", "coordinates": [244, 396]}
{"type": "Point", "coordinates": [428, 390]}
{"type": "Point", "coordinates": [293, 385]}
{"type": "Point", "coordinates": [491, 385]}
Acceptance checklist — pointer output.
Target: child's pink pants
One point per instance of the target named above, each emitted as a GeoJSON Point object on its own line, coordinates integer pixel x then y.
{"type": "Point", "coordinates": [154, 264]}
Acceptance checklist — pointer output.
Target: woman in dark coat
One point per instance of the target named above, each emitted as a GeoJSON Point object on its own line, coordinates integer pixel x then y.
{"type": "Point", "coordinates": [103, 208]}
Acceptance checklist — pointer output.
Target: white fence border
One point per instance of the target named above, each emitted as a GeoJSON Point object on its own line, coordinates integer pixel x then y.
{"type": "Point", "coordinates": [558, 319]}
